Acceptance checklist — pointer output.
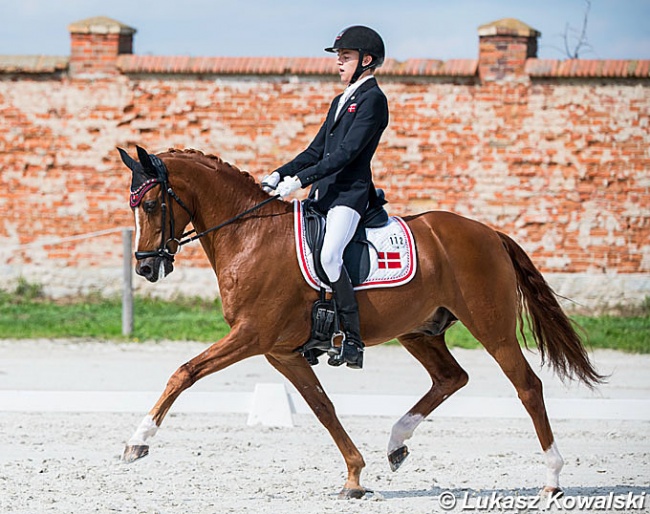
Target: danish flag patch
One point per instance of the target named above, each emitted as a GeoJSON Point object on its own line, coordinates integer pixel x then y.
{"type": "Point", "coordinates": [389, 260]}
{"type": "Point", "coordinates": [352, 108]}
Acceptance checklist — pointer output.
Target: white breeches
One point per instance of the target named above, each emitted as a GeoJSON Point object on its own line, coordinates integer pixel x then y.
{"type": "Point", "coordinates": [340, 227]}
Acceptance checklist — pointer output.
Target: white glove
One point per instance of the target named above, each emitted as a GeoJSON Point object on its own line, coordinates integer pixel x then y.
{"type": "Point", "coordinates": [288, 186]}
{"type": "Point", "coordinates": [270, 182]}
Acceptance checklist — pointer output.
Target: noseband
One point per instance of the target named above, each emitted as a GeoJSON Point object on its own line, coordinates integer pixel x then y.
{"type": "Point", "coordinates": [167, 193]}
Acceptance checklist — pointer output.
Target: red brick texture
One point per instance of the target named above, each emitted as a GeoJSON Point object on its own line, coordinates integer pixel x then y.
{"type": "Point", "coordinates": [560, 163]}
{"type": "Point", "coordinates": [97, 53]}
{"type": "Point", "coordinates": [561, 167]}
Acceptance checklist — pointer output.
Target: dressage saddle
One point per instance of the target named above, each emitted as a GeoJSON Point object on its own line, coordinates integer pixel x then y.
{"type": "Point", "coordinates": [356, 258]}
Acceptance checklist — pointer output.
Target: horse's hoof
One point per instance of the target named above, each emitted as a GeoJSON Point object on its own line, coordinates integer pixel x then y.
{"type": "Point", "coordinates": [397, 457]}
{"type": "Point", "coordinates": [352, 494]}
{"type": "Point", "coordinates": [551, 492]}
{"type": "Point", "coordinates": [133, 453]}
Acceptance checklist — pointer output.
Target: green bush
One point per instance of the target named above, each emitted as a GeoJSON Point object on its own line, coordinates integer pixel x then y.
{"type": "Point", "coordinates": [24, 313]}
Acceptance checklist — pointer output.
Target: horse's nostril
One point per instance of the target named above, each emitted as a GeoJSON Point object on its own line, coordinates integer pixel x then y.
{"type": "Point", "coordinates": [146, 270]}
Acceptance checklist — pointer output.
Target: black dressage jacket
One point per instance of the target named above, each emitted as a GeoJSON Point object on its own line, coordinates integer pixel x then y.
{"type": "Point", "coordinates": [337, 162]}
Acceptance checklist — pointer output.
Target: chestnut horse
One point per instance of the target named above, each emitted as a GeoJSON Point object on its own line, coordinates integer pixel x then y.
{"type": "Point", "coordinates": [479, 275]}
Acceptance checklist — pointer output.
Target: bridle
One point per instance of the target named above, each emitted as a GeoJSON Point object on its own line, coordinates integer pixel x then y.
{"type": "Point", "coordinates": [168, 194]}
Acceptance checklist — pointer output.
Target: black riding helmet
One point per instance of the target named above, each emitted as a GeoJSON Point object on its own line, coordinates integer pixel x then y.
{"type": "Point", "coordinates": [365, 41]}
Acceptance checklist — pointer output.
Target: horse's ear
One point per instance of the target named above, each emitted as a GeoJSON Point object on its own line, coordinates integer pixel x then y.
{"type": "Point", "coordinates": [145, 160]}
{"type": "Point", "coordinates": [130, 162]}
{"type": "Point", "coordinates": [147, 165]}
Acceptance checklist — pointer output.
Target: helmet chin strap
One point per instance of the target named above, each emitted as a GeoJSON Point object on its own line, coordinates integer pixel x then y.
{"type": "Point", "coordinates": [361, 68]}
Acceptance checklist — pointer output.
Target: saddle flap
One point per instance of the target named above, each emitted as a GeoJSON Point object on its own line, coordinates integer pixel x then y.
{"type": "Point", "coordinates": [377, 257]}
{"type": "Point", "coordinates": [356, 257]}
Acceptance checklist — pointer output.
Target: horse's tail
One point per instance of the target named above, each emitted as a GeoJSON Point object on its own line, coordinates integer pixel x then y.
{"type": "Point", "coordinates": [552, 330]}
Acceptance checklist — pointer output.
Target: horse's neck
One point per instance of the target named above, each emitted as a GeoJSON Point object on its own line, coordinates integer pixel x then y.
{"type": "Point", "coordinates": [220, 197]}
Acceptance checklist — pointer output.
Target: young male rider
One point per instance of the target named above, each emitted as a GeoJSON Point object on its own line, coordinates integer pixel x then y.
{"type": "Point", "coordinates": [337, 166]}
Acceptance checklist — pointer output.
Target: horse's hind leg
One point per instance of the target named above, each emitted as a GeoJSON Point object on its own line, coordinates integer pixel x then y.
{"type": "Point", "coordinates": [447, 377]}
{"type": "Point", "coordinates": [488, 305]}
{"type": "Point", "coordinates": [499, 337]}
{"type": "Point", "coordinates": [529, 388]}
{"type": "Point", "coordinates": [301, 375]}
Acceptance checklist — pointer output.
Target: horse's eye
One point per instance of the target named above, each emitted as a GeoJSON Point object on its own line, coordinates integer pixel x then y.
{"type": "Point", "coordinates": [149, 206]}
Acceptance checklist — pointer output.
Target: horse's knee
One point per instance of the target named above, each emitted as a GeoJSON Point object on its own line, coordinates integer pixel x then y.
{"type": "Point", "coordinates": [182, 378]}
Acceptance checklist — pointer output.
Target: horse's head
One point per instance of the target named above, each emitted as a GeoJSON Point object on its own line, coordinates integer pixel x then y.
{"type": "Point", "coordinates": [159, 221]}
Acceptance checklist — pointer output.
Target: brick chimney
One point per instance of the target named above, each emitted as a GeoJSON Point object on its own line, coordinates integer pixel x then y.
{"type": "Point", "coordinates": [504, 46]}
{"type": "Point", "coordinates": [95, 44]}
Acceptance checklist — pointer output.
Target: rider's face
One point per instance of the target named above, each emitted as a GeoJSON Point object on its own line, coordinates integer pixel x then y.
{"type": "Point", "coordinates": [347, 61]}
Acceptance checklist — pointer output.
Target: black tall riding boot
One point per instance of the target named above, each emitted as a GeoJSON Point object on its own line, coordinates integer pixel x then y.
{"type": "Point", "coordinates": [346, 303]}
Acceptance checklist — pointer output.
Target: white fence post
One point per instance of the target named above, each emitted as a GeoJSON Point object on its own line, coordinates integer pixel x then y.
{"type": "Point", "coordinates": [127, 286]}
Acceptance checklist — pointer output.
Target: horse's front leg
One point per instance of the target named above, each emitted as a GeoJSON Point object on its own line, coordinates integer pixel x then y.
{"type": "Point", "coordinates": [237, 345]}
{"type": "Point", "coordinates": [296, 369]}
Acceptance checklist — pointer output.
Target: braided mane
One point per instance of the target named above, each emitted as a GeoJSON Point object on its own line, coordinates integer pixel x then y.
{"type": "Point", "coordinates": [211, 161]}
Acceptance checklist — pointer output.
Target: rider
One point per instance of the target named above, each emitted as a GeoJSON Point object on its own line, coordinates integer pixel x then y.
{"type": "Point", "coordinates": [337, 166]}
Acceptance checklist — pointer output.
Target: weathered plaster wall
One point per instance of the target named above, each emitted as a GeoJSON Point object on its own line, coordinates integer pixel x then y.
{"type": "Point", "coordinates": [561, 163]}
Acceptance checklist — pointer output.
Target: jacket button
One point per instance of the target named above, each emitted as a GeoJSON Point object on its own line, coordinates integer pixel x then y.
{"type": "Point", "coordinates": [331, 134]}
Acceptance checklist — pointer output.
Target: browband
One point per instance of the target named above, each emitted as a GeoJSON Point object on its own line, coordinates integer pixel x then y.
{"type": "Point", "coordinates": [137, 195]}
{"type": "Point", "coordinates": [161, 171]}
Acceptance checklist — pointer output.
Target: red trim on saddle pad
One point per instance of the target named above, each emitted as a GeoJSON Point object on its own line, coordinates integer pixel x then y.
{"type": "Point", "coordinates": [393, 256]}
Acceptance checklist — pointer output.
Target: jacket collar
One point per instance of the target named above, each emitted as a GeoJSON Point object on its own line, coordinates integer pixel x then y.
{"type": "Point", "coordinates": [367, 84]}
{"type": "Point", "coordinates": [353, 88]}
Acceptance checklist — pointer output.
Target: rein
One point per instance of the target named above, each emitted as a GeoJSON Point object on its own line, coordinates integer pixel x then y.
{"type": "Point", "coordinates": [167, 191]}
{"type": "Point", "coordinates": [224, 224]}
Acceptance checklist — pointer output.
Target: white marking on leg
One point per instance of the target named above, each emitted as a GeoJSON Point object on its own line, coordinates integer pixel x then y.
{"type": "Point", "coordinates": [137, 227]}
{"type": "Point", "coordinates": [145, 430]}
{"type": "Point", "coordinates": [554, 464]}
{"type": "Point", "coordinates": [403, 430]}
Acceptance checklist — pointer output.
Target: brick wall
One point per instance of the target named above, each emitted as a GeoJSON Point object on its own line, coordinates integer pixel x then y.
{"type": "Point", "coordinates": [95, 44]}
{"type": "Point", "coordinates": [558, 160]}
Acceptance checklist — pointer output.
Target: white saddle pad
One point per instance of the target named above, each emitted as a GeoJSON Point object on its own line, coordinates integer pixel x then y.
{"type": "Point", "coordinates": [393, 259]}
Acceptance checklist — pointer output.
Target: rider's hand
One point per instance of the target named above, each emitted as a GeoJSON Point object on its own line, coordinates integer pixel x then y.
{"type": "Point", "coordinates": [270, 182]}
{"type": "Point", "coordinates": [288, 186]}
